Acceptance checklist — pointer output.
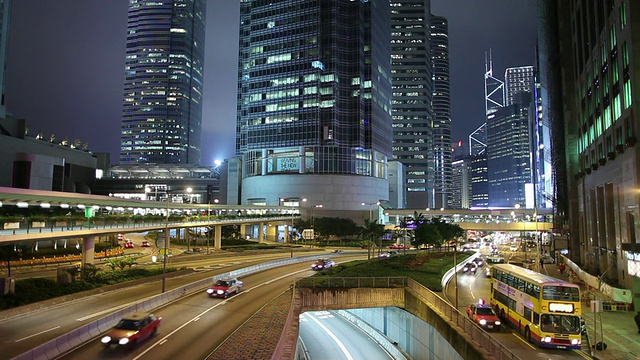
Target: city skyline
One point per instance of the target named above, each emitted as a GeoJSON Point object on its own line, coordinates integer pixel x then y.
{"type": "Point", "coordinates": [75, 91]}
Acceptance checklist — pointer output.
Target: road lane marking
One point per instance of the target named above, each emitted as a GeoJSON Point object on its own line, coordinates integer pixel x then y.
{"type": "Point", "coordinates": [523, 341]}
{"type": "Point", "coordinates": [36, 334]}
{"type": "Point", "coordinates": [581, 353]}
{"type": "Point", "coordinates": [165, 339]}
{"type": "Point", "coordinates": [333, 336]}
{"type": "Point", "coordinates": [113, 309]}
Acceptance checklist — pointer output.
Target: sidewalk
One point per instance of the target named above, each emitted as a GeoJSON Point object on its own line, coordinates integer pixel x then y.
{"type": "Point", "coordinates": [619, 329]}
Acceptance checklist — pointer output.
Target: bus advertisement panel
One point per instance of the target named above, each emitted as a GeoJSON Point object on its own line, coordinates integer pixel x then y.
{"type": "Point", "coordinates": [545, 309]}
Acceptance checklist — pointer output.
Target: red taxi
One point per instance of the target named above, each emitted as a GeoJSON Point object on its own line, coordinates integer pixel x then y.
{"type": "Point", "coordinates": [132, 329]}
{"type": "Point", "coordinates": [483, 315]}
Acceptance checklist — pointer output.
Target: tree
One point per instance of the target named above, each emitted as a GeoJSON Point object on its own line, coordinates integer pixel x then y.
{"type": "Point", "coordinates": [370, 231]}
{"type": "Point", "coordinates": [128, 261]}
{"type": "Point", "coordinates": [447, 231]}
{"type": "Point", "coordinates": [404, 224]}
{"type": "Point", "coordinates": [113, 263]}
{"type": "Point", "coordinates": [88, 271]}
{"type": "Point", "coordinates": [427, 234]}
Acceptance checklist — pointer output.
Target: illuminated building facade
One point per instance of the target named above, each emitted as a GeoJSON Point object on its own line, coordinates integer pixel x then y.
{"type": "Point", "coordinates": [441, 101]}
{"type": "Point", "coordinates": [314, 103]}
{"type": "Point", "coordinates": [412, 26]}
{"type": "Point", "coordinates": [599, 114]}
{"type": "Point", "coordinates": [162, 107]}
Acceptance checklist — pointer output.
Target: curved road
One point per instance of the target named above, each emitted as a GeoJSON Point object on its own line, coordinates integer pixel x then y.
{"type": "Point", "coordinates": [328, 336]}
{"type": "Point", "coordinates": [471, 288]}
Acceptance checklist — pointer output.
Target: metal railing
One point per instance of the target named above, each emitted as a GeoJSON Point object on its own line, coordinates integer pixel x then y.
{"type": "Point", "coordinates": [468, 327]}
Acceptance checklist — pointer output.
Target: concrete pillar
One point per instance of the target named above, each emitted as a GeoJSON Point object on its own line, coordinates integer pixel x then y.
{"type": "Point", "coordinates": [272, 232]}
{"type": "Point", "coordinates": [243, 230]}
{"type": "Point", "coordinates": [88, 250]}
{"type": "Point", "coordinates": [217, 240]}
{"type": "Point", "coordinates": [261, 232]}
{"type": "Point", "coordinates": [286, 234]}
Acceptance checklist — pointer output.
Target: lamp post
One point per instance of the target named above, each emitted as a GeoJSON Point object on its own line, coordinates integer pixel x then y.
{"type": "Point", "coordinates": [455, 267]}
{"type": "Point", "coordinates": [373, 203]}
{"type": "Point", "coordinates": [167, 239]}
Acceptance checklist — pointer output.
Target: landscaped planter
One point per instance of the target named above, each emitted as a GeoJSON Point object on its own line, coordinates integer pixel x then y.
{"type": "Point", "coordinates": [11, 225]}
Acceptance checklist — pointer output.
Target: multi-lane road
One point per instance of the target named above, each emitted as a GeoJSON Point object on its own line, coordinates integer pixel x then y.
{"type": "Point", "coordinates": [21, 333]}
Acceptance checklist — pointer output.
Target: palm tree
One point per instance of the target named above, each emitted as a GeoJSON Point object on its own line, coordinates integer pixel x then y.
{"type": "Point", "coordinates": [372, 230]}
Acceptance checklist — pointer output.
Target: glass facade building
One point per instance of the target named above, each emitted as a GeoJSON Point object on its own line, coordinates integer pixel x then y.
{"type": "Point", "coordinates": [162, 107]}
{"type": "Point", "coordinates": [314, 102]}
{"type": "Point", "coordinates": [508, 153]}
{"type": "Point", "coordinates": [412, 72]}
{"type": "Point", "coordinates": [441, 111]}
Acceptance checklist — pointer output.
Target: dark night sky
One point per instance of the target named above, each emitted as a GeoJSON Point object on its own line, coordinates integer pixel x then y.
{"type": "Point", "coordinates": [65, 70]}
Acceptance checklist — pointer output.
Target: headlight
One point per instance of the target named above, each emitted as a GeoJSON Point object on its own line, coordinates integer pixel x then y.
{"type": "Point", "coordinates": [483, 322]}
{"type": "Point", "coordinates": [498, 323]}
{"type": "Point", "coordinates": [575, 342]}
{"type": "Point", "coordinates": [546, 339]}
{"type": "Point", "coordinates": [123, 341]}
{"type": "Point", "coordinates": [106, 339]}
{"type": "Point", "coordinates": [220, 292]}
{"type": "Point", "coordinates": [209, 291]}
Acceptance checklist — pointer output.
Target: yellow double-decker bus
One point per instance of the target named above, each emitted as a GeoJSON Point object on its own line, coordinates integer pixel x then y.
{"type": "Point", "coordinates": [545, 309]}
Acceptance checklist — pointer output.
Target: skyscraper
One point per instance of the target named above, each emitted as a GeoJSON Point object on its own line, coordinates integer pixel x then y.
{"type": "Point", "coordinates": [600, 81]}
{"type": "Point", "coordinates": [314, 102]}
{"type": "Point", "coordinates": [412, 72]}
{"type": "Point", "coordinates": [439, 42]}
{"type": "Point", "coordinates": [508, 153]}
{"type": "Point", "coordinates": [162, 108]}
{"type": "Point", "coordinates": [516, 80]}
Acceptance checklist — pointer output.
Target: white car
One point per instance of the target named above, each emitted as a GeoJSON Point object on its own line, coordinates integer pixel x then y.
{"type": "Point", "coordinates": [225, 288]}
{"type": "Point", "coordinates": [322, 264]}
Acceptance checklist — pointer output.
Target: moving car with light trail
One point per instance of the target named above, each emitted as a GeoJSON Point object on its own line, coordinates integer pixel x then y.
{"type": "Point", "coordinates": [322, 264]}
{"type": "Point", "coordinates": [131, 330]}
{"type": "Point", "coordinates": [225, 287]}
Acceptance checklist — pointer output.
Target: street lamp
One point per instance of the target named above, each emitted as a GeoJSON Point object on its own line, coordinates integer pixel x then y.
{"type": "Point", "coordinates": [167, 239]}
{"type": "Point", "coordinates": [373, 203]}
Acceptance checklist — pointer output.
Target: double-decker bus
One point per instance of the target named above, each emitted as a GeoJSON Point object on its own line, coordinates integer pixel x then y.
{"type": "Point", "coordinates": [545, 309]}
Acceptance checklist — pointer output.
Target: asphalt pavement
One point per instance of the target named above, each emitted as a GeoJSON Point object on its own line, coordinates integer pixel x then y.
{"type": "Point", "coordinates": [619, 330]}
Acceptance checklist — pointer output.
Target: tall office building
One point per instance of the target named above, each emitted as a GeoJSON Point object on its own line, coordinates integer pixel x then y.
{"type": "Point", "coordinates": [599, 55]}
{"type": "Point", "coordinates": [508, 153]}
{"type": "Point", "coordinates": [162, 109]}
{"type": "Point", "coordinates": [314, 103]}
{"type": "Point", "coordinates": [5, 21]}
{"type": "Point", "coordinates": [461, 183]}
{"type": "Point", "coordinates": [441, 101]}
{"type": "Point", "coordinates": [516, 80]}
{"type": "Point", "coordinates": [479, 181]}
{"type": "Point", "coordinates": [412, 72]}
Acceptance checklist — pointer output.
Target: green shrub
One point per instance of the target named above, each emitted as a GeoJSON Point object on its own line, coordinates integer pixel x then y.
{"type": "Point", "coordinates": [32, 290]}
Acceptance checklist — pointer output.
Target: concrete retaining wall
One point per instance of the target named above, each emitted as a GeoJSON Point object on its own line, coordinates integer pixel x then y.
{"type": "Point", "coordinates": [349, 298]}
